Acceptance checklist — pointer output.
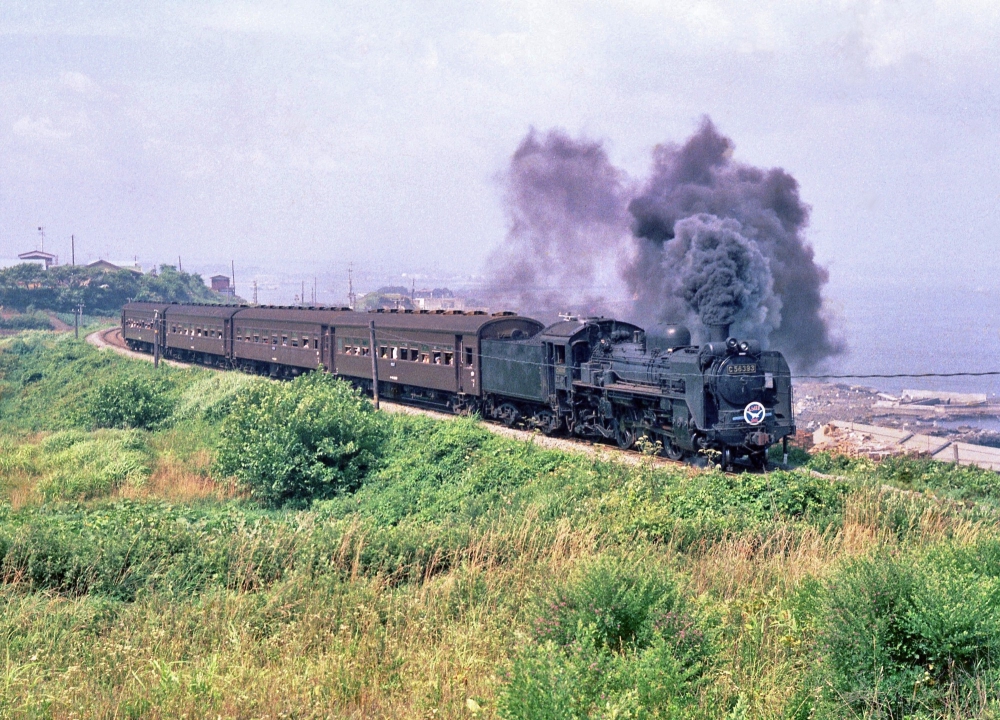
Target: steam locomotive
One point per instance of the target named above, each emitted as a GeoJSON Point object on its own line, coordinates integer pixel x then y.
{"type": "Point", "coordinates": [589, 377]}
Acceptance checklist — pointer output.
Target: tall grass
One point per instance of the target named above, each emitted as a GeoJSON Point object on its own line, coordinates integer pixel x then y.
{"type": "Point", "coordinates": [469, 575]}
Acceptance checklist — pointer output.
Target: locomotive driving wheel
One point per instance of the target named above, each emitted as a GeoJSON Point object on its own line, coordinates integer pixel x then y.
{"type": "Point", "coordinates": [625, 434]}
{"type": "Point", "coordinates": [508, 414]}
{"type": "Point", "coordinates": [672, 450]}
{"type": "Point", "coordinates": [546, 421]}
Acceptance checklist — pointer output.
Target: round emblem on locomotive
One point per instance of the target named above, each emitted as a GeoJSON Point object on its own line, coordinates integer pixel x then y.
{"type": "Point", "coordinates": [754, 413]}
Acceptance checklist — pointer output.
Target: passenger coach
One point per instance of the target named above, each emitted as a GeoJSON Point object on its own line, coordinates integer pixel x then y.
{"type": "Point", "coordinates": [427, 357]}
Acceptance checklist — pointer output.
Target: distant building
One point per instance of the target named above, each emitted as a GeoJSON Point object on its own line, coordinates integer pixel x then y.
{"type": "Point", "coordinates": [111, 267]}
{"type": "Point", "coordinates": [437, 299]}
{"type": "Point", "coordinates": [220, 284]}
{"type": "Point", "coordinates": [39, 257]}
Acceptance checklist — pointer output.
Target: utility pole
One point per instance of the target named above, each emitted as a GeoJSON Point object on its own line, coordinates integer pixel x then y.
{"type": "Point", "coordinates": [41, 238]}
{"type": "Point", "coordinates": [350, 285]}
{"type": "Point", "coordinates": [180, 267]}
{"type": "Point", "coordinates": [76, 320]}
{"type": "Point", "coordinates": [72, 250]}
{"type": "Point", "coordinates": [255, 291]}
{"type": "Point", "coordinates": [232, 269]}
{"type": "Point", "coordinates": [314, 291]}
{"type": "Point", "coordinates": [302, 296]}
{"type": "Point", "coordinates": [156, 339]}
{"type": "Point", "coordinates": [371, 332]}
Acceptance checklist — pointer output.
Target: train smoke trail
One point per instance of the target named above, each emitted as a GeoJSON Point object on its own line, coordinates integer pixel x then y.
{"type": "Point", "coordinates": [719, 274]}
{"type": "Point", "coordinates": [704, 239]}
{"type": "Point", "coordinates": [701, 178]}
{"type": "Point", "coordinates": [567, 207]}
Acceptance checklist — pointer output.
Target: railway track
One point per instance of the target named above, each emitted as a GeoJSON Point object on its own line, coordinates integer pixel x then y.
{"type": "Point", "coordinates": [111, 339]}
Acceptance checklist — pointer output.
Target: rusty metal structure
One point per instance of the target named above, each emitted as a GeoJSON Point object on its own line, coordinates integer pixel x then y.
{"type": "Point", "coordinates": [590, 377]}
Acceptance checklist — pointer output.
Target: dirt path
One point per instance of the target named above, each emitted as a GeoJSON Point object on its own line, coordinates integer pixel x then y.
{"type": "Point", "coordinates": [57, 324]}
{"type": "Point", "coordinates": [111, 340]}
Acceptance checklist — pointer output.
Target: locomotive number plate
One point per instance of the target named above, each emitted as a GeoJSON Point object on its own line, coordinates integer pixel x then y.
{"type": "Point", "coordinates": [741, 369]}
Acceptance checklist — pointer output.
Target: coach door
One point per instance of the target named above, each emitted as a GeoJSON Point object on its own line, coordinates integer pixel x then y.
{"type": "Point", "coordinates": [326, 348]}
{"type": "Point", "coordinates": [466, 361]}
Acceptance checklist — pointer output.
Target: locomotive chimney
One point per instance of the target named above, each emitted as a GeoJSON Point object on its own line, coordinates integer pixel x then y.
{"type": "Point", "coordinates": [718, 333]}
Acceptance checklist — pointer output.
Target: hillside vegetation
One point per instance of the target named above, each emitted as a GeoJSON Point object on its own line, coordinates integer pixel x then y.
{"type": "Point", "coordinates": [62, 288]}
{"type": "Point", "coordinates": [190, 543]}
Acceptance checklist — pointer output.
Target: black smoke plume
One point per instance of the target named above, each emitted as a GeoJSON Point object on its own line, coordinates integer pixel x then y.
{"type": "Point", "coordinates": [703, 240]}
{"type": "Point", "coordinates": [701, 178]}
{"type": "Point", "coordinates": [567, 214]}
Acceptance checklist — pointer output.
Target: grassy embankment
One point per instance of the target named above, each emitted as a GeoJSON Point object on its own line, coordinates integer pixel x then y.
{"type": "Point", "coordinates": [466, 575]}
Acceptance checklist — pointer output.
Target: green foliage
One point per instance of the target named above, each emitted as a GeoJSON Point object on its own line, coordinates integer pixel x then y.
{"type": "Point", "coordinates": [960, 482]}
{"type": "Point", "coordinates": [901, 633]}
{"type": "Point", "coordinates": [75, 465]}
{"type": "Point", "coordinates": [130, 402]}
{"type": "Point", "coordinates": [456, 471]}
{"type": "Point", "coordinates": [708, 505]}
{"type": "Point", "coordinates": [211, 395]}
{"type": "Point", "coordinates": [122, 549]}
{"type": "Point", "coordinates": [64, 287]}
{"type": "Point", "coordinates": [54, 383]}
{"type": "Point", "coordinates": [27, 321]}
{"type": "Point", "coordinates": [616, 640]}
{"type": "Point", "coordinates": [311, 438]}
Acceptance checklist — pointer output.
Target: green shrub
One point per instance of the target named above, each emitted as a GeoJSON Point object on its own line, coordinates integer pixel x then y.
{"type": "Point", "coordinates": [617, 640]}
{"type": "Point", "coordinates": [27, 321]}
{"type": "Point", "coordinates": [906, 633]}
{"type": "Point", "coordinates": [211, 396]}
{"type": "Point", "coordinates": [708, 505]}
{"type": "Point", "coordinates": [76, 465]}
{"type": "Point", "coordinates": [311, 438]}
{"type": "Point", "coordinates": [130, 402]}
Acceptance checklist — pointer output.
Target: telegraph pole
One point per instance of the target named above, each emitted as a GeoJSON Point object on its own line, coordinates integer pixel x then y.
{"type": "Point", "coordinates": [350, 285]}
{"type": "Point", "coordinates": [156, 339]}
{"type": "Point", "coordinates": [371, 332]}
{"type": "Point", "coordinates": [72, 250]}
{"type": "Point", "coordinates": [232, 268]}
{"type": "Point", "coordinates": [76, 320]}
{"type": "Point", "coordinates": [255, 291]}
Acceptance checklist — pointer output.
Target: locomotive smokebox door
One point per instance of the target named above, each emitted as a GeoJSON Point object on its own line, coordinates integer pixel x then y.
{"type": "Point", "coordinates": [739, 380]}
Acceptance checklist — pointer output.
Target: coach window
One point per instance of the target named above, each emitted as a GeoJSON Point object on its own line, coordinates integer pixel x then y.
{"type": "Point", "coordinates": [383, 351]}
{"type": "Point", "coordinates": [468, 356]}
{"type": "Point", "coordinates": [449, 358]}
{"type": "Point", "coordinates": [436, 357]}
{"type": "Point", "coordinates": [295, 340]}
{"type": "Point", "coordinates": [560, 354]}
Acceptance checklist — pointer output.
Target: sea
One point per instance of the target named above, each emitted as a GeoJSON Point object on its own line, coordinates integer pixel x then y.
{"type": "Point", "coordinates": [907, 325]}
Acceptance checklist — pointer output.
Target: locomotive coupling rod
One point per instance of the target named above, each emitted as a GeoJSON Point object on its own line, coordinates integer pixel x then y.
{"type": "Point", "coordinates": [374, 354]}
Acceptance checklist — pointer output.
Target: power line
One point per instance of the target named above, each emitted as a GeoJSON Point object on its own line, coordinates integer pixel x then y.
{"type": "Point", "coordinates": [897, 375]}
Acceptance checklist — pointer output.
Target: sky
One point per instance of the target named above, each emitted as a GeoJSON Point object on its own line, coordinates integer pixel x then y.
{"type": "Point", "coordinates": [300, 136]}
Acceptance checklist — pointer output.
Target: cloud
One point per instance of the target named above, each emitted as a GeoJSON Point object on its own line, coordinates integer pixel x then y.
{"type": "Point", "coordinates": [77, 82]}
{"type": "Point", "coordinates": [40, 129]}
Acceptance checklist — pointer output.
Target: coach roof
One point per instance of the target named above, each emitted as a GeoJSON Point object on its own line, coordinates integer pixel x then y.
{"type": "Point", "coordinates": [207, 311]}
{"type": "Point", "coordinates": [145, 307]}
{"type": "Point", "coordinates": [320, 315]}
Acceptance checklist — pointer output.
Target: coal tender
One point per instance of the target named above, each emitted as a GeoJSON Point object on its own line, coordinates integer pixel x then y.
{"type": "Point", "coordinates": [726, 399]}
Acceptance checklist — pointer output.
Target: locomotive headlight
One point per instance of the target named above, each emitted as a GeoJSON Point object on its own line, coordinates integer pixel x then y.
{"type": "Point", "coordinates": [744, 346]}
{"type": "Point", "coordinates": [731, 343]}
